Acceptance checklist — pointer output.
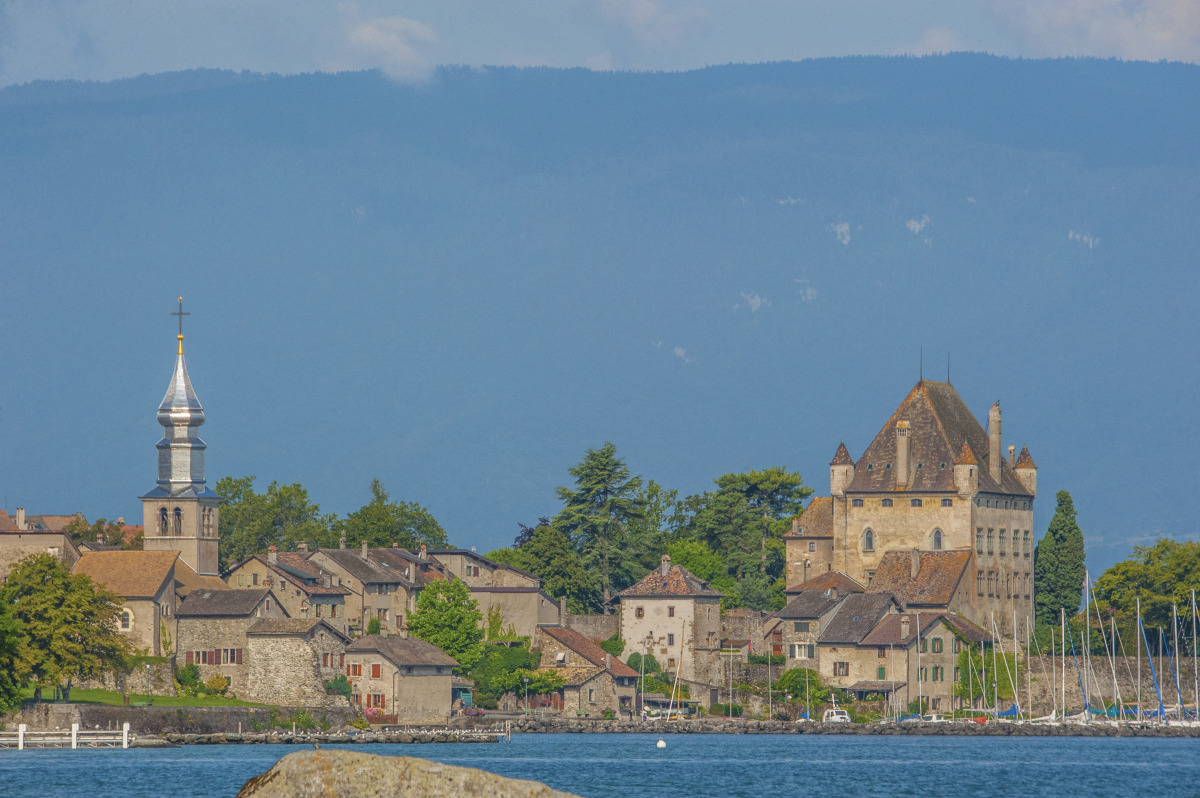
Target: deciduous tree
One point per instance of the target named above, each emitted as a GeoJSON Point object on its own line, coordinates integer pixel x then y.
{"type": "Point", "coordinates": [448, 617]}
{"type": "Point", "coordinates": [283, 516]}
{"type": "Point", "coordinates": [382, 522]}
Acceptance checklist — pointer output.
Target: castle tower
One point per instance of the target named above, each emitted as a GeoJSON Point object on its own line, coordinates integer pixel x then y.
{"type": "Point", "coordinates": [181, 513]}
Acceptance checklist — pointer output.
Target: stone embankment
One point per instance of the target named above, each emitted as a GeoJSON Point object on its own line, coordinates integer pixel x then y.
{"type": "Point", "coordinates": [556, 725]}
{"type": "Point", "coordinates": [322, 738]}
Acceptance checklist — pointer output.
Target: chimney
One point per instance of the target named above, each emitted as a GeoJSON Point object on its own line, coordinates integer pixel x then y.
{"type": "Point", "coordinates": [342, 542]}
{"type": "Point", "coordinates": [666, 565]}
{"type": "Point", "coordinates": [832, 593]}
{"type": "Point", "coordinates": [327, 580]}
{"type": "Point", "coordinates": [121, 518]}
{"type": "Point", "coordinates": [994, 442]}
{"type": "Point", "coordinates": [796, 526]}
{"type": "Point", "coordinates": [395, 545]}
{"type": "Point", "coordinates": [364, 550]}
{"type": "Point", "coordinates": [272, 554]}
{"type": "Point", "coordinates": [902, 453]}
{"type": "Point", "coordinates": [562, 610]}
{"type": "Point", "coordinates": [607, 661]}
{"type": "Point", "coordinates": [914, 567]}
{"type": "Point", "coordinates": [472, 548]}
{"type": "Point", "coordinates": [423, 552]}
{"type": "Point", "coordinates": [904, 627]}
{"type": "Point", "coordinates": [383, 632]}
{"type": "Point", "coordinates": [21, 518]}
{"type": "Point", "coordinates": [302, 547]}
{"type": "Point", "coordinates": [1012, 455]}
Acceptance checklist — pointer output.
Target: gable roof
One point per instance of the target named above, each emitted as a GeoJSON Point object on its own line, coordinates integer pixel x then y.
{"type": "Point", "coordinates": [856, 617]}
{"type": "Point", "coordinates": [890, 629]}
{"type": "Point", "coordinates": [239, 603]}
{"type": "Point", "coordinates": [822, 582]}
{"type": "Point", "coordinates": [129, 574]}
{"type": "Point", "coordinates": [679, 581]}
{"type": "Point", "coordinates": [372, 570]}
{"type": "Point", "coordinates": [187, 580]}
{"type": "Point", "coordinates": [939, 424]}
{"type": "Point", "coordinates": [402, 650]}
{"type": "Point", "coordinates": [811, 604]}
{"type": "Point", "coordinates": [816, 521]}
{"type": "Point", "coordinates": [292, 627]}
{"type": "Point", "coordinates": [588, 649]}
{"type": "Point", "coordinates": [939, 575]}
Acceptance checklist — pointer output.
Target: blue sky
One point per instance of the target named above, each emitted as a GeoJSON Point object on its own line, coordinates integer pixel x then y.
{"type": "Point", "coordinates": [102, 40]}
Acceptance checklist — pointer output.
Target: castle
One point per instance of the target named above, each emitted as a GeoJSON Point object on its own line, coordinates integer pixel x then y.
{"type": "Point", "coordinates": [932, 480]}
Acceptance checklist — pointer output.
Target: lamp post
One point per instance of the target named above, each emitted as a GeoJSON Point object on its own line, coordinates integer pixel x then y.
{"type": "Point", "coordinates": [147, 684]}
{"type": "Point", "coordinates": [526, 679]}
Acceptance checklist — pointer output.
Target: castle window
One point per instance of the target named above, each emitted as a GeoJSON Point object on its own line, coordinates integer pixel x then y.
{"type": "Point", "coordinates": [947, 502]}
{"type": "Point", "coordinates": [1025, 538]}
{"type": "Point", "coordinates": [937, 540]}
{"type": "Point", "coordinates": [885, 503]}
{"type": "Point", "coordinates": [989, 541]}
{"type": "Point", "coordinates": [856, 502]}
{"type": "Point", "coordinates": [870, 466]}
{"type": "Point", "coordinates": [671, 639]}
{"type": "Point", "coordinates": [920, 466]}
{"type": "Point", "coordinates": [868, 540]}
{"type": "Point", "coordinates": [943, 466]}
{"type": "Point", "coordinates": [887, 467]}
{"type": "Point", "coordinates": [914, 502]}
{"type": "Point", "coordinates": [1002, 537]}
{"type": "Point", "coordinates": [670, 612]}
{"type": "Point", "coordinates": [639, 612]}
{"type": "Point", "coordinates": [870, 577]}
{"type": "Point", "coordinates": [979, 540]}
{"type": "Point", "coordinates": [979, 582]}
{"type": "Point", "coordinates": [812, 546]}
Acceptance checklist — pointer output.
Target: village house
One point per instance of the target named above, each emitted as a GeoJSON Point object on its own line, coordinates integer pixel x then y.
{"type": "Point", "coordinates": [304, 589]}
{"type": "Point", "coordinates": [497, 587]}
{"type": "Point", "coordinates": [594, 680]}
{"type": "Point", "coordinates": [213, 626]}
{"type": "Point", "coordinates": [933, 479]}
{"type": "Point", "coordinates": [838, 642]}
{"type": "Point", "coordinates": [290, 660]}
{"type": "Point", "coordinates": [187, 581]}
{"type": "Point", "coordinates": [379, 583]}
{"type": "Point", "coordinates": [675, 616]}
{"type": "Point", "coordinates": [146, 581]}
{"type": "Point", "coordinates": [24, 536]}
{"type": "Point", "coordinates": [800, 623]}
{"type": "Point", "coordinates": [928, 581]}
{"type": "Point", "coordinates": [403, 679]}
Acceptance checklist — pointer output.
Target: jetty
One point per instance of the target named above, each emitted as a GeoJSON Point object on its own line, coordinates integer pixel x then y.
{"type": "Point", "coordinates": [75, 737]}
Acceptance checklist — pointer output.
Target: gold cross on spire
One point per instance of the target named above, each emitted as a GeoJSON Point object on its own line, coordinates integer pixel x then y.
{"type": "Point", "coordinates": [180, 313]}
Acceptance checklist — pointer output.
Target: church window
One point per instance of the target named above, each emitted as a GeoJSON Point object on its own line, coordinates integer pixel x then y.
{"type": "Point", "coordinates": [885, 503]}
{"type": "Point", "coordinates": [856, 503]}
{"type": "Point", "coordinates": [947, 502]}
{"type": "Point", "coordinates": [162, 521]}
{"type": "Point", "coordinates": [937, 540]}
{"type": "Point", "coordinates": [979, 540]}
{"type": "Point", "coordinates": [914, 502]}
{"type": "Point", "coordinates": [868, 540]}
{"type": "Point", "coordinates": [178, 523]}
{"type": "Point", "coordinates": [126, 621]}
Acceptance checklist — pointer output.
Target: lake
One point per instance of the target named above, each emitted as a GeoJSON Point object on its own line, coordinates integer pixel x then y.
{"type": "Point", "coordinates": [629, 766]}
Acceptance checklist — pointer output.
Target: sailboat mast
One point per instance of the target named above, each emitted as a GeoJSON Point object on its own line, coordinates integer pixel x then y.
{"type": "Point", "coordinates": [1139, 657]}
{"type": "Point", "coordinates": [1175, 645]}
{"type": "Point", "coordinates": [1195, 671]}
{"type": "Point", "coordinates": [1062, 614]}
{"type": "Point", "coordinates": [1087, 636]}
{"type": "Point", "coordinates": [1016, 664]}
{"type": "Point", "coordinates": [1028, 666]}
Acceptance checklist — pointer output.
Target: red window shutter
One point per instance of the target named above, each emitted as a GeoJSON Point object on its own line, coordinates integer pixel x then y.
{"type": "Point", "coordinates": [189, 658]}
{"type": "Point", "coordinates": [375, 669]}
{"type": "Point", "coordinates": [347, 670]}
{"type": "Point", "coordinates": [239, 656]}
{"type": "Point", "coordinates": [341, 659]}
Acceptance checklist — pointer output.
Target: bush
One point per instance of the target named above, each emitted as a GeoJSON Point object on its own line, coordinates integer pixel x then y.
{"type": "Point", "coordinates": [216, 685]}
{"type": "Point", "coordinates": [374, 626]}
{"type": "Point", "coordinates": [360, 723]}
{"type": "Point", "coordinates": [761, 659]}
{"type": "Point", "coordinates": [635, 662]}
{"type": "Point", "coordinates": [485, 701]}
{"type": "Point", "coordinates": [188, 676]}
{"type": "Point", "coordinates": [613, 645]}
{"type": "Point", "coordinates": [725, 710]}
{"type": "Point", "coordinates": [338, 685]}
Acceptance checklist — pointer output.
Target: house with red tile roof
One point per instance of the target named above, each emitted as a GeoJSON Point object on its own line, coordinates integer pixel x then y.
{"type": "Point", "coordinates": [594, 680]}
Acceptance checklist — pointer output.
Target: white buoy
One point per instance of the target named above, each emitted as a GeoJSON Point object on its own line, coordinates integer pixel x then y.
{"type": "Point", "coordinates": [661, 744]}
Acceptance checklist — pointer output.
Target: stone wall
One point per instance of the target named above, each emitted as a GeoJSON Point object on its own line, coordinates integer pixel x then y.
{"type": "Point", "coordinates": [287, 670]}
{"type": "Point", "coordinates": [1048, 670]}
{"type": "Point", "coordinates": [743, 624]}
{"type": "Point", "coordinates": [596, 627]}
{"type": "Point", "coordinates": [208, 634]}
{"type": "Point", "coordinates": [158, 680]}
{"type": "Point", "coordinates": [159, 720]}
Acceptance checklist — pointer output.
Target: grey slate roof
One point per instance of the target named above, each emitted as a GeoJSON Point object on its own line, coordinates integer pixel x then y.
{"type": "Point", "coordinates": [291, 626]}
{"type": "Point", "coordinates": [236, 603]}
{"type": "Point", "coordinates": [856, 618]}
{"type": "Point", "coordinates": [403, 650]}
{"type": "Point", "coordinates": [809, 605]}
{"type": "Point", "coordinates": [368, 571]}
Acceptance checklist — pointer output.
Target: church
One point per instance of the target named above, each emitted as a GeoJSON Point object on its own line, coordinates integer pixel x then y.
{"type": "Point", "coordinates": [932, 480]}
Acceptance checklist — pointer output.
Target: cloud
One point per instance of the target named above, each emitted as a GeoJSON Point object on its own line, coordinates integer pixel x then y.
{"type": "Point", "coordinates": [807, 292]}
{"type": "Point", "coordinates": [1134, 29]}
{"type": "Point", "coordinates": [648, 20]}
{"type": "Point", "coordinates": [938, 40]}
{"type": "Point", "coordinates": [917, 225]}
{"type": "Point", "coordinates": [842, 231]}
{"type": "Point", "coordinates": [754, 301]}
{"type": "Point", "coordinates": [681, 353]}
{"type": "Point", "coordinates": [1083, 238]}
{"type": "Point", "coordinates": [393, 44]}
{"type": "Point", "coordinates": [790, 200]}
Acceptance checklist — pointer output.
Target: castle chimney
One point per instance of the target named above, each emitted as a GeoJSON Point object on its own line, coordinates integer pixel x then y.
{"type": "Point", "coordinates": [395, 545]}
{"type": "Point", "coordinates": [904, 627]}
{"type": "Point", "coordinates": [342, 542]}
{"type": "Point", "coordinates": [902, 453]}
{"type": "Point", "coordinates": [1012, 455]}
{"type": "Point", "coordinates": [796, 526]}
{"type": "Point", "coordinates": [666, 565]}
{"type": "Point", "coordinates": [272, 554]}
{"type": "Point", "coordinates": [364, 550]}
{"type": "Point", "coordinates": [607, 661]}
{"type": "Point", "coordinates": [562, 610]}
{"type": "Point", "coordinates": [21, 518]}
{"type": "Point", "coordinates": [994, 442]}
{"type": "Point", "coordinates": [914, 566]}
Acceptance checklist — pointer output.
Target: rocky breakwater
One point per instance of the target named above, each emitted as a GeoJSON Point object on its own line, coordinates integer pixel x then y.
{"type": "Point", "coordinates": [358, 738]}
{"type": "Point", "coordinates": [349, 774]}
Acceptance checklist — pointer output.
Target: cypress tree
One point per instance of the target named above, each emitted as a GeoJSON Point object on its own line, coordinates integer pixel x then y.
{"type": "Point", "coordinates": [1058, 566]}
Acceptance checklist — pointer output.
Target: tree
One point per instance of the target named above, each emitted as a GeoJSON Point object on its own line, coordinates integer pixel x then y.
{"type": "Point", "coordinates": [10, 653]}
{"type": "Point", "coordinates": [793, 682]}
{"type": "Point", "coordinates": [68, 624]}
{"type": "Point", "coordinates": [1058, 565]}
{"type": "Point", "coordinates": [448, 617]}
{"type": "Point", "coordinates": [103, 531]}
{"type": "Point", "coordinates": [549, 556]}
{"type": "Point", "coordinates": [283, 516]}
{"type": "Point", "coordinates": [1162, 576]}
{"type": "Point", "coordinates": [597, 515]}
{"type": "Point", "coordinates": [374, 626]}
{"type": "Point", "coordinates": [382, 522]}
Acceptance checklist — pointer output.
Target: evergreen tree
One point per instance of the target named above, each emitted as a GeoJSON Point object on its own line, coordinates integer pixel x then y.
{"type": "Point", "coordinates": [549, 556]}
{"type": "Point", "coordinates": [382, 522]}
{"type": "Point", "coordinates": [1058, 565]}
{"type": "Point", "coordinates": [605, 502]}
{"type": "Point", "coordinates": [449, 618]}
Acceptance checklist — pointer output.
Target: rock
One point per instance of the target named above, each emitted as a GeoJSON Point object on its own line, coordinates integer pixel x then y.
{"type": "Point", "coordinates": [350, 774]}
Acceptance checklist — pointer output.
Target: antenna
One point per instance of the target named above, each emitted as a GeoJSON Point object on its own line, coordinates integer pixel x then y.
{"type": "Point", "coordinates": [947, 368]}
{"type": "Point", "coordinates": [921, 372]}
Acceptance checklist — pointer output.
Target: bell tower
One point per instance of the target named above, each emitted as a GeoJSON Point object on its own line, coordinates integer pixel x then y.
{"type": "Point", "coordinates": [181, 513]}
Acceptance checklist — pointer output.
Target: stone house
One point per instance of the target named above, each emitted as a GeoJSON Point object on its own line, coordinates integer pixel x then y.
{"type": "Point", "coordinates": [380, 584]}
{"type": "Point", "coordinates": [289, 661]}
{"type": "Point", "coordinates": [801, 622]}
{"type": "Point", "coordinates": [676, 616]}
{"type": "Point", "coordinates": [146, 580]}
{"type": "Point", "coordinates": [478, 571]}
{"type": "Point", "coordinates": [928, 581]}
{"type": "Point", "coordinates": [522, 608]}
{"type": "Point", "coordinates": [838, 642]}
{"type": "Point", "coordinates": [916, 654]}
{"type": "Point", "coordinates": [404, 679]}
{"type": "Point", "coordinates": [933, 479]}
{"type": "Point", "coordinates": [594, 680]}
{"type": "Point", "coordinates": [187, 580]}
{"type": "Point", "coordinates": [304, 589]}
{"type": "Point", "coordinates": [213, 626]}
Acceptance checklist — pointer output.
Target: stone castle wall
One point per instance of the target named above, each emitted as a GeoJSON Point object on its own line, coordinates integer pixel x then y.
{"type": "Point", "coordinates": [596, 627]}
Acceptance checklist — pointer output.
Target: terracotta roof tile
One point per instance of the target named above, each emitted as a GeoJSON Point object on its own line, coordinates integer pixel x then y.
{"type": "Point", "coordinates": [586, 648]}
{"type": "Point", "coordinates": [291, 626]}
{"type": "Point", "coordinates": [822, 582]}
{"type": "Point", "coordinates": [187, 580]}
{"type": "Point", "coordinates": [130, 574]}
{"type": "Point", "coordinates": [842, 456]}
{"type": "Point", "coordinates": [890, 631]}
{"type": "Point", "coordinates": [816, 521]}
{"type": "Point", "coordinates": [938, 576]}
{"type": "Point", "coordinates": [1024, 460]}
{"type": "Point", "coordinates": [679, 581]}
{"type": "Point", "coordinates": [856, 617]}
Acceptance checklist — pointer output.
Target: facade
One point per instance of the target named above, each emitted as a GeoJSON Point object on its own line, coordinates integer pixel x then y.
{"type": "Point", "coordinates": [676, 616]}
{"type": "Point", "coordinates": [378, 582]}
{"type": "Point", "coordinates": [800, 623]}
{"type": "Point", "coordinates": [16, 545]}
{"type": "Point", "coordinates": [212, 631]}
{"type": "Point", "coordinates": [933, 479]}
{"type": "Point", "coordinates": [593, 680]}
{"type": "Point", "coordinates": [289, 661]}
{"type": "Point", "coordinates": [181, 514]}
{"type": "Point", "coordinates": [146, 580]}
{"type": "Point", "coordinates": [403, 678]}
{"type": "Point", "coordinates": [838, 642]}
{"type": "Point", "coordinates": [479, 571]}
{"type": "Point", "coordinates": [522, 608]}
{"type": "Point", "coordinates": [304, 589]}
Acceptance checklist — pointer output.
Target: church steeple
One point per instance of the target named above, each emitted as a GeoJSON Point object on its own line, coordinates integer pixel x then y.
{"type": "Point", "coordinates": [180, 513]}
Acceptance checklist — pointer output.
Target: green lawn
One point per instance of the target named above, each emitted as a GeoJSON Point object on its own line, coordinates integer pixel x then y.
{"type": "Point", "coordinates": [135, 699]}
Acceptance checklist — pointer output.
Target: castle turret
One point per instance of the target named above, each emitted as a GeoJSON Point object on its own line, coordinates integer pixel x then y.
{"type": "Point", "coordinates": [994, 442]}
{"type": "Point", "coordinates": [966, 473]}
{"type": "Point", "coordinates": [841, 471]}
{"type": "Point", "coordinates": [1026, 471]}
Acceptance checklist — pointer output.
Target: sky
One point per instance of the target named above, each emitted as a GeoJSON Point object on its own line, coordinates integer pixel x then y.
{"type": "Point", "coordinates": [104, 40]}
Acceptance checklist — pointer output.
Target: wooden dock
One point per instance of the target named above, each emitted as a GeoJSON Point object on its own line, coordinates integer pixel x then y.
{"type": "Point", "coordinates": [75, 737]}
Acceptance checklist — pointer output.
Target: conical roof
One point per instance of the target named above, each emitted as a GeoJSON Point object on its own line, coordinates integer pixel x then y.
{"type": "Point", "coordinates": [1024, 459]}
{"type": "Point", "coordinates": [180, 405]}
{"type": "Point", "coordinates": [842, 456]}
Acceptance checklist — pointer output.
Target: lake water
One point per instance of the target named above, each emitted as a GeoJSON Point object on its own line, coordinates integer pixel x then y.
{"type": "Point", "coordinates": [629, 766]}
